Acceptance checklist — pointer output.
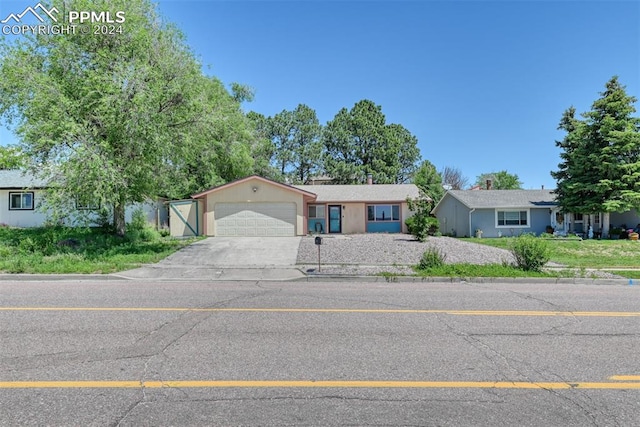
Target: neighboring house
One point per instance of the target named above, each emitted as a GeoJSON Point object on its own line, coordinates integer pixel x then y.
{"type": "Point", "coordinates": [21, 195]}
{"type": "Point", "coordinates": [513, 212]}
{"type": "Point", "coordinates": [496, 212]}
{"type": "Point", "coordinates": [256, 206]}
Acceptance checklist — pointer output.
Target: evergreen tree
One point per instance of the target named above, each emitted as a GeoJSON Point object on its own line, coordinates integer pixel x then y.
{"type": "Point", "coordinates": [358, 142]}
{"type": "Point", "coordinates": [600, 168]}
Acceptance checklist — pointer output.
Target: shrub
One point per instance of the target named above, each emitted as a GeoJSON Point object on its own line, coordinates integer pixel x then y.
{"type": "Point", "coordinates": [147, 234]}
{"type": "Point", "coordinates": [431, 258]}
{"type": "Point", "coordinates": [531, 253]}
{"type": "Point", "coordinates": [138, 221]}
{"type": "Point", "coordinates": [421, 226]}
{"type": "Point", "coordinates": [5, 251]}
{"type": "Point", "coordinates": [103, 220]}
{"type": "Point", "coordinates": [139, 230]}
{"type": "Point", "coordinates": [27, 246]}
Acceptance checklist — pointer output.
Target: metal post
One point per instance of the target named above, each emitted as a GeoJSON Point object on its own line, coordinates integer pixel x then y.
{"type": "Point", "coordinates": [318, 242]}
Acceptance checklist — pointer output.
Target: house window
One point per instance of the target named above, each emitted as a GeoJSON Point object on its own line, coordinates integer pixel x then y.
{"type": "Point", "coordinates": [87, 205]}
{"type": "Point", "coordinates": [21, 201]}
{"type": "Point", "coordinates": [378, 213]}
{"type": "Point", "coordinates": [578, 217]}
{"type": "Point", "coordinates": [316, 211]}
{"type": "Point", "coordinates": [512, 218]}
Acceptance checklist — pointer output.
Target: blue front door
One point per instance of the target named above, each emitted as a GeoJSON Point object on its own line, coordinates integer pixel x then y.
{"type": "Point", "coordinates": [335, 219]}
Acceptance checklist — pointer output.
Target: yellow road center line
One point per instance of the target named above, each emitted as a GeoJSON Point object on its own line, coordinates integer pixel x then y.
{"type": "Point", "coordinates": [316, 384]}
{"type": "Point", "coordinates": [341, 310]}
{"type": "Point", "coordinates": [625, 378]}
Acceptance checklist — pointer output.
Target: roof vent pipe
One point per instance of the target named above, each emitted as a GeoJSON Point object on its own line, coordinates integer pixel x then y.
{"type": "Point", "coordinates": [369, 179]}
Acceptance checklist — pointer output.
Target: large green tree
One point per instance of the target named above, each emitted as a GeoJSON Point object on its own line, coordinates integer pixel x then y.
{"type": "Point", "coordinates": [263, 150]}
{"type": "Point", "coordinates": [600, 167]}
{"type": "Point", "coordinates": [429, 181]}
{"type": "Point", "coordinates": [297, 147]}
{"type": "Point", "coordinates": [501, 180]}
{"type": "Point", "coordinates": [120, 118]}
{"type": "Point", "coordinates": [11, 157]}
{"type": "Point", "coordinates": [307, 145]}
{"type": "Point", "coordinates": [359, 142]}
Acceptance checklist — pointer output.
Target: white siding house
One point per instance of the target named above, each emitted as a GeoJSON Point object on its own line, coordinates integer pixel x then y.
{"type": "Point", "coordinates": [21, 196]}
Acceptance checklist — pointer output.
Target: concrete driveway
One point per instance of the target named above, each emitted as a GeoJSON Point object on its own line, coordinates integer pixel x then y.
{"type": "Point", "coordinates": [238, 252]}
{"type": "Point", "coordinates": [228, 258]}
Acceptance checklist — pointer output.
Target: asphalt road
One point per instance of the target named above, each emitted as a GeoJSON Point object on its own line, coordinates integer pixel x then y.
{"type": "Point", "coordinates": [134, 353]}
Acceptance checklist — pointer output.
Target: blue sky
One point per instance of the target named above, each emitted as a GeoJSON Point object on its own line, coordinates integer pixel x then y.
{"type": "Point", "coordinates": [481, 84]}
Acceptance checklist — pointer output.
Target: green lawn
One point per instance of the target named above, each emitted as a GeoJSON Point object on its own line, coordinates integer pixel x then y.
{"type": "Point", "coordinates": [474, 270]}
{"type": "Point", "coordinates": [596, 254]}
{"type": "Point", "coordinates": [80, 250]}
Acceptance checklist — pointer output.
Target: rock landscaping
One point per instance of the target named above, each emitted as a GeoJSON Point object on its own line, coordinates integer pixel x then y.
{"type": "Point", "coordinates": [394, 253]}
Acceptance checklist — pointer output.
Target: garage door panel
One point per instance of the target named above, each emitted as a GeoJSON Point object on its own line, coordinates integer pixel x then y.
{"type": "Point", "coordinates": [255, 219]}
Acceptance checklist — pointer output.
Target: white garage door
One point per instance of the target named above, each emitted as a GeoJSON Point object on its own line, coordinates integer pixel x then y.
{"type": "Point", "coordinates": [255, 219]}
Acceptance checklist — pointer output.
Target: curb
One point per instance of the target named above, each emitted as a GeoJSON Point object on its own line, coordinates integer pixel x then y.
{"type": "Point", "coordinates": [319, 277]}
{"type": "Point", "coordinates": [466, 280]}
{"type": "Point", "coordinates": [24, 277]}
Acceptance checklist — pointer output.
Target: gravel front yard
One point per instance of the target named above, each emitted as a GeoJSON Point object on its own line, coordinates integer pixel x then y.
{"type": "Point", "coordinates": [368, 253]}
{"type": "Point", "coordinates": [371, 254]}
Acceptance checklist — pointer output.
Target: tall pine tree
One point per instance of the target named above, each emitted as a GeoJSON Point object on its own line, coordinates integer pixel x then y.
{"type": "Point", "coordinates": [600, 167]}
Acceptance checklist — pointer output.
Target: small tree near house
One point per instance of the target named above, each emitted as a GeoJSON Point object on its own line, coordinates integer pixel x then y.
{"type": "Point", "coordinates": [422, 223]}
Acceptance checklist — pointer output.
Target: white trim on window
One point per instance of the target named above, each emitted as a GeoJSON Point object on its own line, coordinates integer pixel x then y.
{"type": "Point", "coordinates": [513, 218]}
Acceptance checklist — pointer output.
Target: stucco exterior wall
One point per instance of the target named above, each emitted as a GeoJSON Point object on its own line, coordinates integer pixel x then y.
{"type": "Point", "coordinates": [243, 193]}
{"type": "Point", "coordinates": [353, 217]}
{"type": "Point", "coordinates": [404, 214]}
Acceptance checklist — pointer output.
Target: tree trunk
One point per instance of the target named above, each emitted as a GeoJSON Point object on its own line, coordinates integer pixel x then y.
{"type": "Point", "coordinates": [119, 222]}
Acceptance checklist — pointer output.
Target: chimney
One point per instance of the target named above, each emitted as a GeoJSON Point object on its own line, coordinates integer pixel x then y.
{"type": "Point", "coordinates": [488, 184]}
{"type": "Point", "coordinates": [369, 179]}
{"type": "Point", "coordinates": [543, 186]}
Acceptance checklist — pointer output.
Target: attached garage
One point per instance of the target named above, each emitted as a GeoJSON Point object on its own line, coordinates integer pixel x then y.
{"type": "Point", "coordinates": [255, 219]}
{"type": "Point", "coordinates": [254, 206]}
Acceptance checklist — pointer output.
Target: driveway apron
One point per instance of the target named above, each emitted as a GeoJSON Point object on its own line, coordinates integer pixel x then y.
{"type": "Point", "coordinates": [227, 258]}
